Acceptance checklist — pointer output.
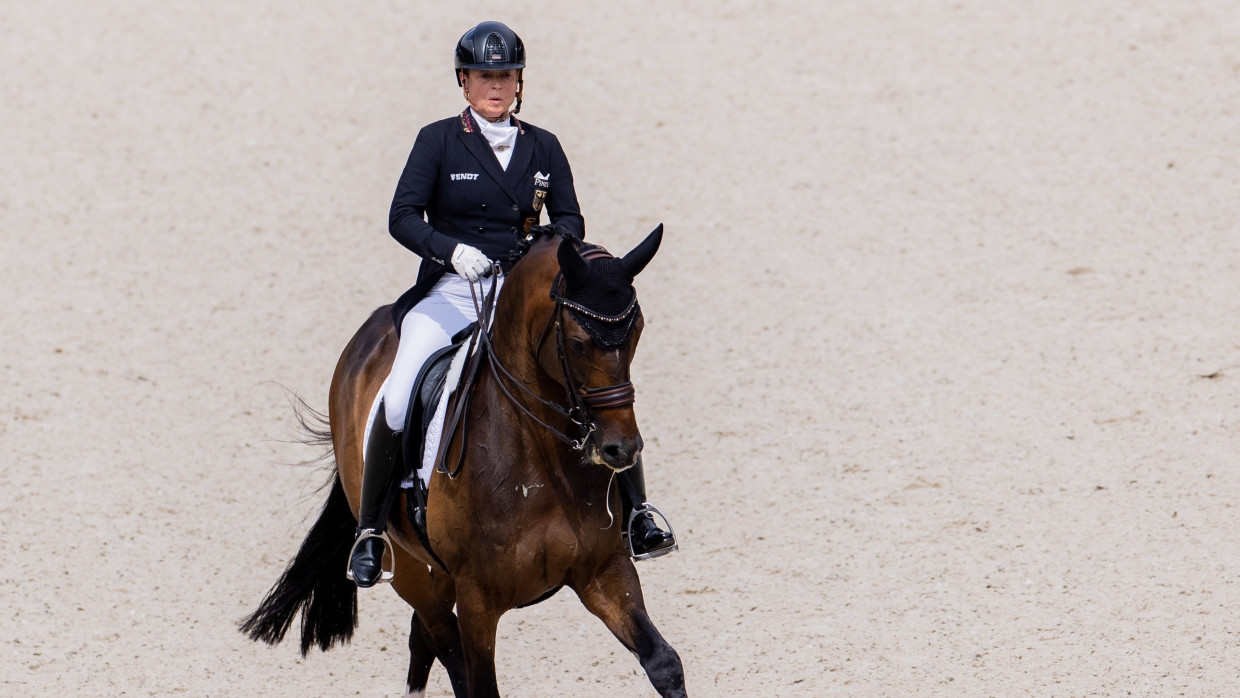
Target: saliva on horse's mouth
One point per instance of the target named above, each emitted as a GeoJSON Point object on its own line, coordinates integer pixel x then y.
{"type": "Point", "coordinates": [596, 457]}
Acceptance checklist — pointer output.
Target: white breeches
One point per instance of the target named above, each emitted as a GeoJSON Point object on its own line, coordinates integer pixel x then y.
{"type": "Point", "coordinates": [427, 328]}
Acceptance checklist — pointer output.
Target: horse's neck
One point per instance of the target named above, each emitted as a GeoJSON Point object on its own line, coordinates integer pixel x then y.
{"type": "Point", "coordinates": [523, 313]}
{"type": "Point", "coordinates": [514, 341]}
{"type": "Point", "coordinates": [539, 460]}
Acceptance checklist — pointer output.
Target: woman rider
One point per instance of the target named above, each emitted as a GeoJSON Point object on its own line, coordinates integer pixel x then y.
{"type": "Point", "coordinates": [481, 179]}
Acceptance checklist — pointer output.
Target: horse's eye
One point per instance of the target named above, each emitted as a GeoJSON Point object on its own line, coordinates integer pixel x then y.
{"type": "Point", "coordinates": [577, 345]}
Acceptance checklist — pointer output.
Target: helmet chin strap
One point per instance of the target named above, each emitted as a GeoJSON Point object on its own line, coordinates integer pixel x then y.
{"type": "Point", "coordinates": [520, 89]}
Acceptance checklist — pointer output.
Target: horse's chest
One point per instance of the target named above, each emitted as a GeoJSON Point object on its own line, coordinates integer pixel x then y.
{"type": "Point", "coordinates": [525, 534]}
{"type": "Point", "coordinates": [547, 542]}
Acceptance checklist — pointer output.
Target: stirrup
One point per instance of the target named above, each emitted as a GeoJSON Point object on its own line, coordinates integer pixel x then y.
{"type": "Point", "coordinates": [628, 533]}
{"type": "Point", "coordinates": [385, 576]}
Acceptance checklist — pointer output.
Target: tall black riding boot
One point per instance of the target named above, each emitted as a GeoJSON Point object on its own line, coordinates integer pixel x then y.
{"type": "Point", "coordinates": [366, 558]}
{"type": "Point", "coordinates": [646, 539]}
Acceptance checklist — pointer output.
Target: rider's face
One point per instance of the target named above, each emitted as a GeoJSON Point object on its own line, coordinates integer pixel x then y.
{"type": "Point", "coordinates": [490, 92]}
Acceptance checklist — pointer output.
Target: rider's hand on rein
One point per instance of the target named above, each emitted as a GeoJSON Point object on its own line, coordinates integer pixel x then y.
{"type": "Point", "coordinates": [469, 262]}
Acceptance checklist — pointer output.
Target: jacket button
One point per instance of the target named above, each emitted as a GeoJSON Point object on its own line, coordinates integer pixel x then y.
{"type": "Point", "coordinates": [514, 230]}
{"type": "Point", "coordinates": [515, 207]}
{"type": "Point", "coordinates": [480, 229]}
{"type": "Point", "coordinates": [484, 207]}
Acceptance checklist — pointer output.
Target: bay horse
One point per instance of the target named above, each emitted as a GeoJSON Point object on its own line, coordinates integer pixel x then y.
{"type": "Point", "coordinates": [530, 509]}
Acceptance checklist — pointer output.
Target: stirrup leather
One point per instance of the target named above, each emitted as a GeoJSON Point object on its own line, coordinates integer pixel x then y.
{"type": "Point", "coordinates": [628, 533]}
{"type": "Point", "coordinates": [385, 576]}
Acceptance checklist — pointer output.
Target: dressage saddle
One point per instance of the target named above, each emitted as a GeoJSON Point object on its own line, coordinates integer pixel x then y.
{"type": "Point", "coordinates": [427, 391]}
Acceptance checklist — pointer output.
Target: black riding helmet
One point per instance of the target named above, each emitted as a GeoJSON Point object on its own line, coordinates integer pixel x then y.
{"type": "Point", "coordinates": [489, 46]}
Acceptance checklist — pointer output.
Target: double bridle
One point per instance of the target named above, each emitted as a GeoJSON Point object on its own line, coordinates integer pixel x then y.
{"type": "Point", "coordinates": [582, 401]}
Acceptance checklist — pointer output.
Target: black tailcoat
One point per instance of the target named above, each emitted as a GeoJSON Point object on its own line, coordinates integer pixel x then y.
{"type": "Point", "coordinates": [454, 179]}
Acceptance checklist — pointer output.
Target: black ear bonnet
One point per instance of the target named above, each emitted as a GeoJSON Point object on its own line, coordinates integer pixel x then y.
{"type": "Point", "coordinates": [597, 289]}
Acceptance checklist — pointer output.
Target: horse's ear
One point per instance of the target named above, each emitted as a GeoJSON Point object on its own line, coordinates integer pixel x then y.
{"type": "Point", "coordinates": [640, 256]}
{"type": "Point", "coordinates": [571, 263]}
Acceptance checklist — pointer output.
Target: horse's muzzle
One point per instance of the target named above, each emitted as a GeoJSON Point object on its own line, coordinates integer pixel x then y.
{"type": "Point", "coordinates": [617, 455]}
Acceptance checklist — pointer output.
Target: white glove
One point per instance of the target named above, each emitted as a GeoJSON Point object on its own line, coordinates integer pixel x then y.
{"type": "Point", "coordinates": [469, 262]}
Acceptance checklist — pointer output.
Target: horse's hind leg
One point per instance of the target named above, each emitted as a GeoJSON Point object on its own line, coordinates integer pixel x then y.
{"type": "Point", "coordinates": [433, 633]}
{"type": "Point", "coordinates": [421, 657]}
{"type": "Point", "coordinates": [615, 596]}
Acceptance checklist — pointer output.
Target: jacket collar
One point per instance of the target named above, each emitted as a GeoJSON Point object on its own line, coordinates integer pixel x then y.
{"type": "Point", "coordinates": [519, 165]}
{"type": "Point", "coordinates": [477, 144]}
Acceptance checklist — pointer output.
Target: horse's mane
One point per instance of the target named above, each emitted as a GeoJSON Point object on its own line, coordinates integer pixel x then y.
{"type": "Point", "coordinates": [539, 233]}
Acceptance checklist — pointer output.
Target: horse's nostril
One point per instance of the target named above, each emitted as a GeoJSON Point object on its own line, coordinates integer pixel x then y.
{"type": "Point", "coordinates": [614, 453]}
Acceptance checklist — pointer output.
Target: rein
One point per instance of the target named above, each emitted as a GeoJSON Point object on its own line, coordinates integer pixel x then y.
{"type": "Point", "coordinates": [581, 402]}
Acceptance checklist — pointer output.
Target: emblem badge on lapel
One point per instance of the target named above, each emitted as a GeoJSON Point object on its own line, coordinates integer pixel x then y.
{"type": "Point", "coordinates": [541, 183]}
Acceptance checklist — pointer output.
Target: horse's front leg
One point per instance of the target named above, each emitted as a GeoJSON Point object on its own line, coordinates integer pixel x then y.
{"type": "Point", "coordinates": [615, 596]}
{"type": "Point", "coordinates": [478, 618]}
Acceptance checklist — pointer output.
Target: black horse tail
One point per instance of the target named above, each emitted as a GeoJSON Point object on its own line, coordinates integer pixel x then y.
{"type": "Point", "coordinates": [315, 584]}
